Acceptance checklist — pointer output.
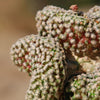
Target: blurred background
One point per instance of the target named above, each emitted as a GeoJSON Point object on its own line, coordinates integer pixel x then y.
{"type": "Point", "coordinates": [17, 19]}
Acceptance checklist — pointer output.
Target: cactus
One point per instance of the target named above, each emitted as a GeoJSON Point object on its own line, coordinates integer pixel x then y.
{"type": "Point", "coordinates": [74, 32]}
{"type": "Point", "coordinates": [67, 28]}
{"type": "Point", "coordinates": [67, 44]}
{"type": "Point", "coordinates": [94, 27]}
{"type": "Point", "coordinates": [48, 73]}
{"type": "Point", "coordinates": [20, 52]}
{"type": "Point", "coordinates": [32, 51]}
{"type": "Point", "coordinates": [92, 61]}
{"type": "Point", "coordinates": [85, 86]}
{"type": "Point", "coordinates": [93, 12]}
{"type": "Point", "coordinates": [88, 64]}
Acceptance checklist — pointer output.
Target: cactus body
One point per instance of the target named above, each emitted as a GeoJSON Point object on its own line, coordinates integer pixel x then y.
{"type": "Point", "coordinates": [48, 73]}
{"type": "Point", "coordinates": [86, 86]}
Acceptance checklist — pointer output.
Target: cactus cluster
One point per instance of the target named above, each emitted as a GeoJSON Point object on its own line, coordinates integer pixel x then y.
{"type": "Point", "coordinates": [67, 41]}
{"type": "Point", "coordinates": [85, 86]}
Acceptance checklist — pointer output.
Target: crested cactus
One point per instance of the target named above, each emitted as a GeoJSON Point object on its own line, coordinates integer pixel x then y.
{"type": "Point", "coordinates": [85, 86]}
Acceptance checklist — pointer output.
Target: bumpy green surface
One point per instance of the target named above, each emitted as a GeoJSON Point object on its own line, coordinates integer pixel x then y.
{"type": "Point", "coordinates": [86, 86]}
